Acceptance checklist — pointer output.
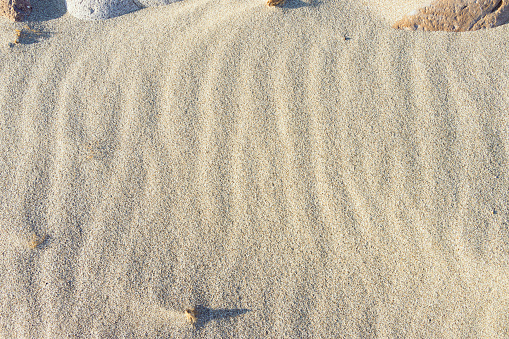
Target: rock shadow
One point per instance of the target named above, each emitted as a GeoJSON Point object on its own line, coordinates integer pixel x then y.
{"type": "Point", "coordinates": [44, 10]}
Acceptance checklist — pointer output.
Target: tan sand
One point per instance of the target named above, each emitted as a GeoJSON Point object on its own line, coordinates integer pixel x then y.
{"type": "Point", "coordinates": [252, 164]}
{"type": "Point", "coordinates": [457, 16]}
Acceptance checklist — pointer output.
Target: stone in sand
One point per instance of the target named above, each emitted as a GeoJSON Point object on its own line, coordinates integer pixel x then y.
{"type": "Point", "coordinates": [106, 9]}
{"type": "Point", "coordinates": [16, 10]}
{"type": "Point", "coordinates": [100, 9]}
{"type": "Point", "coordinates": [457, 16]}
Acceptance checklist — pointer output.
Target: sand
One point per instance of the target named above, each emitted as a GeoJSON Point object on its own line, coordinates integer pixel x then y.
{"type": "Point", "coordinates": [296, 172]}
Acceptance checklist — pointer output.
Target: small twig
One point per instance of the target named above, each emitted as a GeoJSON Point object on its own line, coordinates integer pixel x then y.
{"type": "Point", "coordinates": [22, 33]}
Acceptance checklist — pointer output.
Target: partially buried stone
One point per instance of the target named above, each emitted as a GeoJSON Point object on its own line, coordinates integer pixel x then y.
{"type": "Point", "coordinates": [16, 10]}
{"type": "Point", "coordinates": [457, 16]}
{"type": "Point", "coordinates": [106, 9]}
{"type": "Point", "coordinates": [100, 9]}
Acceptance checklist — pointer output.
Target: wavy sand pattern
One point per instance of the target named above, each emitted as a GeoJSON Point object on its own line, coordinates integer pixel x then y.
{"type": "Point", "coordinates": [255, 163]}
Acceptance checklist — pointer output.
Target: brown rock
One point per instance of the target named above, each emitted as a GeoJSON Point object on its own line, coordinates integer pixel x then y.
{"type": "Point", "coordinates": [16, 10]}
{"type": "Point", "coordinates": [457, 16]}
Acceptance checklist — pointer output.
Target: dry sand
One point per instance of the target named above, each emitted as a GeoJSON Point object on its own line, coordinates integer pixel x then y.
{"type": "Point", "coordinates": [254, 164]}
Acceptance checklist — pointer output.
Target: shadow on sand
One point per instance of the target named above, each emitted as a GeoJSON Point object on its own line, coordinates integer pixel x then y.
{"type": "Point", "coordinates": [294, 4]}
{"type": "Point", "coordinates": [44, 10]}
{"type": "Point", "coordinates": [208, 314]}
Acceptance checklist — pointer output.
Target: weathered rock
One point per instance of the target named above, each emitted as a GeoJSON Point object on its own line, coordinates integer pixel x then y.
{"type": "Point", "coordinates": [100, 9]}
{"type": "Point", "coordinates": [16, 10]}
{"type": "Point", "coordinates": [105, 9]}
{"type": "Point", "coordinates": [457, 16]}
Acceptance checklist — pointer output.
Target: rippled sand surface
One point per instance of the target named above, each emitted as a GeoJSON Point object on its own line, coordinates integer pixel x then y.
{"type": "Point", "coordinates": [305, 171]}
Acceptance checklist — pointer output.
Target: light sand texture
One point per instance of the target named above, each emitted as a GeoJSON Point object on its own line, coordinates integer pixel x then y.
{"type": "Point", "coordinates": [457, 16]}
{"type": "Point", "coordinates": [15, 10]}
{"type": "Point", "coordinates": [393, 10]}
{"type": "Point", "coordinates": [252, 163]}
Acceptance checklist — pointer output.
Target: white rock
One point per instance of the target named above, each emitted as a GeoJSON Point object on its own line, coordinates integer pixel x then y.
{"type": "Point", "coordinates": [100, 9]}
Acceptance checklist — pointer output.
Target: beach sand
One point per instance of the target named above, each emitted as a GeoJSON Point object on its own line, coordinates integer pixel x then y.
{"type": "Point", "coordinates": [296, 172]}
